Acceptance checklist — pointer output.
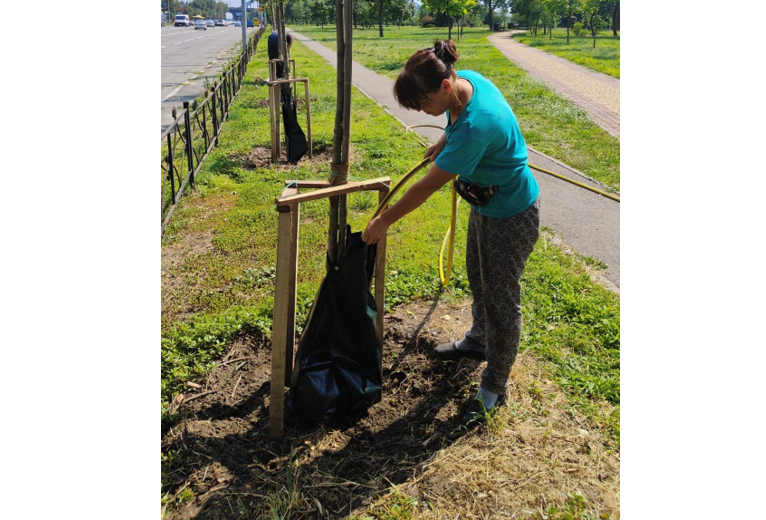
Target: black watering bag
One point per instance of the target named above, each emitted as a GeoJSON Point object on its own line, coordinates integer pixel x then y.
{"type": "Point", "coordinates": [337, 372]}
{"type": "Point", "coordinates": [294, 137]}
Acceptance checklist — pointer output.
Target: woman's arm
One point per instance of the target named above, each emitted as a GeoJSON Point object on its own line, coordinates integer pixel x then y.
{"type": "Point", "coordinates": [412, 199]}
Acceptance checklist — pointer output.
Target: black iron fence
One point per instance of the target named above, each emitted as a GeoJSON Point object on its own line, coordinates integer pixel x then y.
{"type": "Point", "coordinates": [194, 131]}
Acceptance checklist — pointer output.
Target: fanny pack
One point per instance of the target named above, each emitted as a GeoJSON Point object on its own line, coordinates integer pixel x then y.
{"type": "Point", "coordinates": [473, 194]}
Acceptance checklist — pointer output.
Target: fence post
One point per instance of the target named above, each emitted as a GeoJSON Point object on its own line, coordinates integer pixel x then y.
{"type": "Point", "coordinates": [189, 147]}
{"type": "Point", "coordinates": [169, 159]}
{"type": "Point", "coordinates": [204, 123]}
{"type": "Point", "coordinates": [215, 112]}
{"type": "Point", "coordinates": [224, 91]}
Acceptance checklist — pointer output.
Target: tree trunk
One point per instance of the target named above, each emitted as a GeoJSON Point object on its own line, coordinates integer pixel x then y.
{"type": "Point", "coordinates": [491, 26]}
{"type": "Point", "coordinates": [593, 28]}
{"type": "Point", "coordinates": [380, 17]}
{"type": "Point", "coordinates": [449, 28]}
{"type": "Point", "coordinates": [615, 18]}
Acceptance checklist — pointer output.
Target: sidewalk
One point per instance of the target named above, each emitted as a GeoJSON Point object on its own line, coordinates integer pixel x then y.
{"type": "Point", "coordinates": [594, 92]}
{"type": "Point", "coordinates": [585, 221]}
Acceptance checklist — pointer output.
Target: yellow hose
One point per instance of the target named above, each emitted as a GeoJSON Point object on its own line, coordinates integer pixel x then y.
{"type": "Point", "coordinates": [450, 232]}
{"type": "Point", "coordinates": [608, 195]}
{"type": "Point", "coordinates": [451, 235]}
{"type": "Point", "coordinates": [399, 184]}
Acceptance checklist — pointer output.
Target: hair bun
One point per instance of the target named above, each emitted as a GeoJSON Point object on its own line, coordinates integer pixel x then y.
{"type": "Point", "coordinates": [445, 50]}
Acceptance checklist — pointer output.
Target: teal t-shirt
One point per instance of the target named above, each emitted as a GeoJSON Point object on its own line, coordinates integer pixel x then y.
{"type": "Point", "coordinates": [485, 147]}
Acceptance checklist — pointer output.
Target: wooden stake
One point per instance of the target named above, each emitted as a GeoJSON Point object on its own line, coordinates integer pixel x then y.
{"type": "Point", "coordinates": [280, 323]}
{"type": "Point", "coordinates": [380, 277]}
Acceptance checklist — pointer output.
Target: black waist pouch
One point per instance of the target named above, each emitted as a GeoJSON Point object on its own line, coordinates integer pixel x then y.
{"type": "Point", "coordinates": [473, 194]}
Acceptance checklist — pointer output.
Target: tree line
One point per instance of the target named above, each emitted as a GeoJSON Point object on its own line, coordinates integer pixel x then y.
{"type": "Point", "coordinates": [593, 15]}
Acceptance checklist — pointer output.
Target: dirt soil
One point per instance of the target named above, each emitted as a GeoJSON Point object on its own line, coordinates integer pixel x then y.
{"type": "Point", "coordinates": [223, 464]}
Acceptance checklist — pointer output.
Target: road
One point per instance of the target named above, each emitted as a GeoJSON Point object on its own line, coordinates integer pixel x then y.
{"type": "Point", "coordinates": [189, 58]}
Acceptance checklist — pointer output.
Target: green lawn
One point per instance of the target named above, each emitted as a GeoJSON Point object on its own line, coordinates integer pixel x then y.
{"type": "Point", "coordinates": [219, 250]}
{"type": "Point", "coordinates": [550, 123]}
{"type": "Point", "coordinates": [605, 57]}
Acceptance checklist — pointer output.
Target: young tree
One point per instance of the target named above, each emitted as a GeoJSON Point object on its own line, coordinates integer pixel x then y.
{"type": "Point", "coordinates": [320, 10]}
{"type": "Point", "coordinates": [384, 6]}
{"type": "Point", "coordinates": [615, 18]}
{"type": "Point", "coordinates": [571, 8]}
{"type": "Point", "coordinates": [551, 11]}
{"type": "Point", "coordinates": [590, 9]}
{"type": "Point", "coordinates": [528, 13]}
{"type": "Point", "coordinates": [451, 8]}
{"type": "Point", "coordinates": [400, 10]}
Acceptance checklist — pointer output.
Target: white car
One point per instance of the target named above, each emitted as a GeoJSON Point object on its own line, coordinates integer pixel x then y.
{"type": "Point", "coordinates": [200, 24]}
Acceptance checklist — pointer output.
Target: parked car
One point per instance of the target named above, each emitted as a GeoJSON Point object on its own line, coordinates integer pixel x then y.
{"type": "Point", "coordinates": [200, 24]}
{"type": "Point", "coordinates": [237, 24]}
{"type": "Point", "coordinates": [210, 23]}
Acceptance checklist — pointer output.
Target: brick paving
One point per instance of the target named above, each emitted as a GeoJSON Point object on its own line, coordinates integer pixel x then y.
{"type": "Point", "coordinates": [594, 92]}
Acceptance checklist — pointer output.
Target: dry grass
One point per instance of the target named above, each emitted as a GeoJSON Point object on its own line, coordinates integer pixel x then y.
{"type": "Point", "coordinates": [529, 457]}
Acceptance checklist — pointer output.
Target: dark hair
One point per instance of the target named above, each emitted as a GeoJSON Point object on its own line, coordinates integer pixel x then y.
{"type": "Point", "coordinates": [289, 38]}
{"type": "Point", "coordinates": [423, 73]}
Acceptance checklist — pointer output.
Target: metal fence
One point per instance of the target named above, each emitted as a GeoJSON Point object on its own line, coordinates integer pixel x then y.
{"type": "Point", "coordinates": [194, 131]}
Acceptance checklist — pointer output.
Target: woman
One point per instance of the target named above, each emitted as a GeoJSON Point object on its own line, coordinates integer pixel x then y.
{"type": "Point", "coordinates": [483, 150]}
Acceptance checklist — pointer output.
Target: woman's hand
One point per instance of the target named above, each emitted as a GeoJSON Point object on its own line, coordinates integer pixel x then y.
{"type": "Point", "coordinates": [376, 231]}
{"type": "Point", "coordinates": [436, 148]}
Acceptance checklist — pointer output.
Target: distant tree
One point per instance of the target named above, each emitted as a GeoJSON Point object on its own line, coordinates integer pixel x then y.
{"type": "Point", "coordinates": [528, 13]}
{"type": "Point", "coordinates": [365, 13]}
{"type": "Point", "coordinates": [590, 10]}
{"type": "Point", "coordinates": [451, 8]}
{"type": "Point", "coordinates": [551, 13]}
{"type": "Point", "coordinates": [320, 11]}
{"type": "Point", "coordinates": [571, 9]}
{"type": "Point", "coordinates": [382, 5]}
{"type": "Point", "coordinates": [401, 10]}
{"type": "Point", "coordinates": [491, 5]}
{"type": "Point", "coordinates": [297, 11]}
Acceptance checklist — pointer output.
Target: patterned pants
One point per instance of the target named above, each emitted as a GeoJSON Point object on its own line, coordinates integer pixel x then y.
{"type": "Point", "coordinates": [496, 254]}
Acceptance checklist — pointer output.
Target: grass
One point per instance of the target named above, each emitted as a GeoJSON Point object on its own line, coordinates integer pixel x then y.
{"type": "Point", "coordinates": [550, 123]}
{"type": "Point", "coordinates": [219, 251]}
{"type": "Point", "coordinates": [605, 57]}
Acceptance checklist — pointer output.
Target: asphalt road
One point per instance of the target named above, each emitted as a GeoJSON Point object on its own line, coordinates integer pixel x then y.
{"type": "Point", "coordinates": [189, 57]}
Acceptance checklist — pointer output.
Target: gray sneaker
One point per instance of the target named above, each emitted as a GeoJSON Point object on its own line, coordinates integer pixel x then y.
{"type": "Point", "coordinates": [449, 352]}
{"type": "Point", "coordinates": [476, 413]}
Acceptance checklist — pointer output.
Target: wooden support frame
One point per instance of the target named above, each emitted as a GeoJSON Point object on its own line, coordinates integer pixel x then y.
{"type": "Point", "coordinates": [273, 68]}
{"type": "Point", "coordinates": [276, 117]}
{"type": "Point", "coordinates": [285, 291]}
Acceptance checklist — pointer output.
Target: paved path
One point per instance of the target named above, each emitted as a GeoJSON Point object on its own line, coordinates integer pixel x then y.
{"type": "Point", "coordinates": [594, 92]}
{"type": "Point", "coordinates": [583, 220]}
